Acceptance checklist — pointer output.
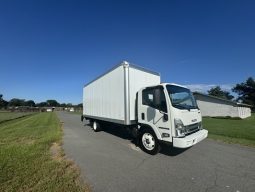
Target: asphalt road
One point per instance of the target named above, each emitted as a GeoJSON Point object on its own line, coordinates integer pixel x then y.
{"type": "Point", "coordinates": [109, 161]}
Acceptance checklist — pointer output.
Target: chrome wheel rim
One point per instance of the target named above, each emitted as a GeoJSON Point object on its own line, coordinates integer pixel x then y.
{"type": "Point", "coordinates": [148, 141]}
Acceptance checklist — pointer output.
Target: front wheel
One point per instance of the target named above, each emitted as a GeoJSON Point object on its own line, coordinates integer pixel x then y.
{"type": "Point", "coordinates": [149, 142]}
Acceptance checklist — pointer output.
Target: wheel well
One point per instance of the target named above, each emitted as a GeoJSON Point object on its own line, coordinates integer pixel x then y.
{"type": "Point", "coordinates": [145, 127]}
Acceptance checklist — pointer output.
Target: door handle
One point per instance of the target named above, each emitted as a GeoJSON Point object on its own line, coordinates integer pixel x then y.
{"type": "Point", "coordinates": [142, 116]}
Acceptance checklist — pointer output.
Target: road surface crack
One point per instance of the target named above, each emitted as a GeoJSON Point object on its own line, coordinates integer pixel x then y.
{"type": "Point", "coordinates": [215, 180]}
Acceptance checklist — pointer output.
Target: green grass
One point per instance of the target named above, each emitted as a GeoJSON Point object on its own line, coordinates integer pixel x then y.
{"type": "Point", "coordinates": [232, 130]}
{"type": "Point", "coordinates": [26, 159]}
{"type": "Point", "coordinates": [4, 116]}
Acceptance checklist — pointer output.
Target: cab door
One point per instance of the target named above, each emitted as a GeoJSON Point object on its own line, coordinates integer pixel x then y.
{"type": "Point", "coordinates": [152, 110]}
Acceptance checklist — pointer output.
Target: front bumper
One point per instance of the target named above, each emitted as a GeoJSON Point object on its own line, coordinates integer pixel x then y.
{"type": "Point", "coordinates": [190, 140]}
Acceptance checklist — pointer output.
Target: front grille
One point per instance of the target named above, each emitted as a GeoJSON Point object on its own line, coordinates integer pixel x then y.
{"type": "Point", "coordinates": [191, 128]}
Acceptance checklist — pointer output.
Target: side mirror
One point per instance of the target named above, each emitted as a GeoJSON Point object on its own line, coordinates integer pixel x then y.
{"type": "Point", "coordinates": [165, 116]}
{"type": "Point", "coordinates": [157, 97]}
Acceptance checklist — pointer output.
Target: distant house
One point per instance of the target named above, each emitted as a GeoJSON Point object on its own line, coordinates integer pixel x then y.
{"type": "Point", "coordinates": [217, 107]}
{"type": "Point", "coordinates": [50, 109]}
{"type": "Point", "coordinates": [71, 109]}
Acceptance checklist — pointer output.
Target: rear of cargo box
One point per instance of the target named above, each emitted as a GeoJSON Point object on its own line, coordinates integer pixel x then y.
{"type": "Point", "coordinates": [112, 96]}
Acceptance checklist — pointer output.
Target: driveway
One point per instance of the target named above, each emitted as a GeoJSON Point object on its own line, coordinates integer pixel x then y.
{"type": "Point", "coordinates": [109, 161]}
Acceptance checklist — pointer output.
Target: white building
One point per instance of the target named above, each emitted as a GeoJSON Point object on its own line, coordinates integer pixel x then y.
{"type": "Point", "coordinates": [211, 106]}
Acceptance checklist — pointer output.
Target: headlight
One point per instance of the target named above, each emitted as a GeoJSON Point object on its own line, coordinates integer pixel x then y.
{"type": "Point", "coordinates": [179, 128]}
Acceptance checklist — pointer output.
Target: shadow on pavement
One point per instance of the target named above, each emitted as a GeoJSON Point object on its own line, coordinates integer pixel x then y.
{"type": "Point", "coordinates": [122, 132]}
{"type": "Point", "coordinates": [169, 150]}
{"type": "Point", "coordinates": [118, 131]}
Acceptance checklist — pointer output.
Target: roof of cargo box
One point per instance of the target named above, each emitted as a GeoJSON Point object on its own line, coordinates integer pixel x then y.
{"type": "Point", "coordinates": [125, 63]}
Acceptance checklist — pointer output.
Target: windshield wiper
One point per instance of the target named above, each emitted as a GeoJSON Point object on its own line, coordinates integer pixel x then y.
{"type": "Point", "coordinates": [180, 106]}
{"type": "Point", "coordinates": [188, 107]}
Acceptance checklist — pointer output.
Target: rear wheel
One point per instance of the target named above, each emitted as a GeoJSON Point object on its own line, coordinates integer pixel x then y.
{"type": "Point", "coordinates": [149, 142]}
{"type": "Point", "coordinates": [96, 126]}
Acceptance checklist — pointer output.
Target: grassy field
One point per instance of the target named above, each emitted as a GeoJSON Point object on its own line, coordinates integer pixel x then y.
{"type": "Point", "coordinates": [31, 158]}
{"type": "Point", "coordinates": [232, 130]}
{"type": "Point", "coordinates": [12, 115]}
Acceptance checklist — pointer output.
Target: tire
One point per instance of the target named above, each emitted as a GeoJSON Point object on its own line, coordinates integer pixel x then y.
{"type": "Point", "coordinates": [149, 142]}
{"type": "Point", "coordinates": [96, 126]}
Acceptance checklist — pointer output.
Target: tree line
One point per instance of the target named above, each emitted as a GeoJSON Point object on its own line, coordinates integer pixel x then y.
{"type": "Point", "coordinates": [15, 102]}
{"type": "Point", "coordinates": [244, 90]}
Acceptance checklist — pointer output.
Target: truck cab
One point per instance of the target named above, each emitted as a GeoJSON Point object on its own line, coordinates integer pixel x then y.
{"type": "Point", "coordinates": [168, 113]}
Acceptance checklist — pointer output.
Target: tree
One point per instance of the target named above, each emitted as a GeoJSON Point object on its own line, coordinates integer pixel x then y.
{"type": "Point", "coordinates": [246, 91]}
{"type": "Point", "coordinates": [42, 104]}
{"type": "Point", "coordinates": [53, 103]}
{"type": "Point", "coordinates": [16, 102]}
{"type": "Point", "coordinates": [218, 92]}
{"type": "Point", "coordinates": [30, 103]}
{"type": "Point", "coordinates": [80, 105]}
{"type": "Point", "coordinates": [62, 105]}
{"type": "Point", "coordinates": [3, 103]}
{"type": "Point", "coordinates": [228, 95]}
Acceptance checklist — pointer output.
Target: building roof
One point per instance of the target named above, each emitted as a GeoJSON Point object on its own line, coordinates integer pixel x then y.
{"type": "Point", "coordinates": [225, 100]}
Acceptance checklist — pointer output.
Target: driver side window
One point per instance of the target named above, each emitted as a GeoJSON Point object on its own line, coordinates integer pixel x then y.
{"type": "Point", "coordinates": [148, 96]}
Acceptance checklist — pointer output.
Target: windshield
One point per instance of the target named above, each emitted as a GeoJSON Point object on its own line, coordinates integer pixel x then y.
{"type": "Point", "coordinates": [181, 97]}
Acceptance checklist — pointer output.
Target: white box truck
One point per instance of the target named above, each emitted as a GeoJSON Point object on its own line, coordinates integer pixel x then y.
{"type": "Point", "coordinates": [154, 112]}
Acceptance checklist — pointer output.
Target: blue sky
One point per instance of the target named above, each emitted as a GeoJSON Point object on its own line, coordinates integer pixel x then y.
{"type": "Point", "coordinates": [50, 49]}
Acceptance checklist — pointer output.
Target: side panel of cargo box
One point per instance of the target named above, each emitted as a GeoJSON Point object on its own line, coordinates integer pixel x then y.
{"type": "Point", "coordinates": [112, 96]}
{"type": "Point", "coordinates": [103, 98]}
